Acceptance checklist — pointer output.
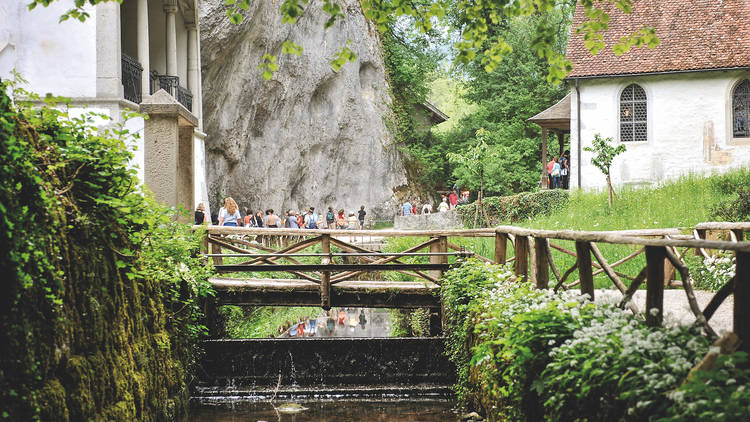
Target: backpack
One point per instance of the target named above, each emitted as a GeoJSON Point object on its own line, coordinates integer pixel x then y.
{"type": "Point", "coordinates": [330, 217]}
{"type": "Point", "coordinates": [311, 222]}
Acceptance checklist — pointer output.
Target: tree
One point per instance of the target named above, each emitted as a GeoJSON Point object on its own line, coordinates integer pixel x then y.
{"type": "Point", "coordinates": [471, 169]}
{"type": "Point", "coordinates": [605, 154]}
{"type": "Point", "coordinates": [476, 18]}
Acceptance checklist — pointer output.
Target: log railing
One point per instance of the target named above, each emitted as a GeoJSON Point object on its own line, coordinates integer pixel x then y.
{"type": "Point", "coordinates": [654, 257]}
{"type": "Point", "coordinates": [533, 260]}
{"type": "Point", "coordinates": [337, 264]}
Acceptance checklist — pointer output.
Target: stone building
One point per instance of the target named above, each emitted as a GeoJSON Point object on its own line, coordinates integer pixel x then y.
{"type": "Point", "coordinates": [683, 107]}
{"type": "Point", "coordinates": [140, 55]}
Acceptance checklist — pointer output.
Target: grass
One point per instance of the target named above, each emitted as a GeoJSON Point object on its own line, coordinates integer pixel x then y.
{"type": "Point", "coordinates": [263, 321]}
{"type": "Point", "coordinates": [681, 203]}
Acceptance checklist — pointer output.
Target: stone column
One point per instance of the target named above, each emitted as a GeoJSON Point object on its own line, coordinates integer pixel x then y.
{"type": "Point", "coordinates": [143, 46]}
{"type": "Point", "coordinates": [168, 142]}
{"type": "Point", "coordinates": [108, 57]}
{"type": "Point", "coordinates": [193, 72]}
{"type": "Point", "coordinates": [170, 10]}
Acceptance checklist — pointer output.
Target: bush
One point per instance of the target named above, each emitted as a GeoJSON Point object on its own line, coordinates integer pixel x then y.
{"type": "Point", "coordinates": [626, 366]}
{"type": "Point", "coordinates": [718, 395]}
{"type": "Point", "coordinates": [713, 272]}
{"type": "Point", "coordinates": [512, 209]}
{"type": "Point", "coordinates": [737, 206]}
{"type": "Point", "coordinates": [527, 354]}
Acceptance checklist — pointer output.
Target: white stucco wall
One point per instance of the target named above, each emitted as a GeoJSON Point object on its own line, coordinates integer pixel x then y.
{"type": "Point", "coordinates": [57, 58]}
{"type": "Point", "coordinates": [683, 110]}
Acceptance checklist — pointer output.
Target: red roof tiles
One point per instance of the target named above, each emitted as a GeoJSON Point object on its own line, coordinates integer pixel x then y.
{"type": "Point", "coordinates": [694, 35]}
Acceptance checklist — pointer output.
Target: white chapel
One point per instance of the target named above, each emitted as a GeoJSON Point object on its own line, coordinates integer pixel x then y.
{"type": "Point", "coordinates": [683, 107]}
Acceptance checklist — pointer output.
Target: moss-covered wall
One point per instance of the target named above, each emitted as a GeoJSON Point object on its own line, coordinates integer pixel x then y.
{"type": "Point", "coordinates": [86, 333]}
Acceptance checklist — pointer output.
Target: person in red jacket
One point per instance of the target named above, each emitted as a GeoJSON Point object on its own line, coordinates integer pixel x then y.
{"type": "Point", "coordinates": [453, 199]}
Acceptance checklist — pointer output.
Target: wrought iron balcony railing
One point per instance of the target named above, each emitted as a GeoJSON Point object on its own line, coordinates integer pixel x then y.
{"type": "Point", "coordinates": [185, 97]}
{"type": "Point", "coordinates": [171, 84]}
{"type": "Point", "coordinates": [131, 78]}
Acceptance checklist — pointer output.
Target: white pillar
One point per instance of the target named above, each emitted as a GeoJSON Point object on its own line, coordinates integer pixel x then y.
{"type": "Point", "coordinates": [108, 48]}
{"type": "Point", "coordinates": [170, 10]}
{"type": "Point", "coordinates": [193, 71]}
{"type": "Point", "coordinates": [143, 41]}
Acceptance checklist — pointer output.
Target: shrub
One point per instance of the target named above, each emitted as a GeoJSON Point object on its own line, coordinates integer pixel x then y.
{"type": "Point", "coordinates": [713, 272]}
{"type": "Point", "coordinates": [734, 185]}
{"type": "Point", "coordinates": [616, 368]}
{"type": "Point", "coordinates": [511, 209]}
{"type": "Point", "coordinates": [721, 394]}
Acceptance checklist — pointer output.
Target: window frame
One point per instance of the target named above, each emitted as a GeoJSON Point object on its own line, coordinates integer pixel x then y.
{"type": "Point", "coordinates": [619, 120]}
{"type": "Point", "coordinates": [730, 114]}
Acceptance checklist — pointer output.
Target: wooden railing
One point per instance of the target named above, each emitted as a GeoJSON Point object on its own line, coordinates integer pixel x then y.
{"type": "Point", "coordinates": [533, 259]}
{"type": "Point", "coordinates": [335, 275]}
{"type": "Point", "coordinates": [329, 280]}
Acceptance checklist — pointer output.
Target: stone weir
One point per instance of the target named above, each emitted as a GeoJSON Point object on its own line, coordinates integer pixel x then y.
{"type": "Point", "coordinates": [324, 368]}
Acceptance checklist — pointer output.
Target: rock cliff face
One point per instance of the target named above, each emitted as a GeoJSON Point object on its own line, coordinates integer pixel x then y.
{"type": "Point", "coordinates": [310, 135]}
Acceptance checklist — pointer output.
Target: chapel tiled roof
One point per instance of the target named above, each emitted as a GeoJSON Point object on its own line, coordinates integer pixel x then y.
{"type": "Point", "coordinates": [694, 35]}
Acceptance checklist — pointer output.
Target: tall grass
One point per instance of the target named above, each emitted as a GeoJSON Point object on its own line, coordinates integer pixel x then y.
{"type": "Point", "coordinates": [679, 203]}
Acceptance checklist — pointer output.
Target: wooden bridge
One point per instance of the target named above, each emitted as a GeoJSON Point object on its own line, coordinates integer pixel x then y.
{"type": "Point", "coordinates": [329, 268]}
{"type": "Point", "coordinates": [330, 271]}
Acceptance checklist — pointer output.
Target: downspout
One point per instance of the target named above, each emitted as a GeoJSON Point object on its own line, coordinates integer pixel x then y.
{"type": "Point", "coordinates": [578, 130]}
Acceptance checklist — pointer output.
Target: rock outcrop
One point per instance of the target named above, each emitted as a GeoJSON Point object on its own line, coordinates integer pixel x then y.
{"type": "Point", "coordinates": [310, 135]}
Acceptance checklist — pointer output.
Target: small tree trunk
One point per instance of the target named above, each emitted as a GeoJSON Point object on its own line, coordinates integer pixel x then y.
{"type": "Point", "coordinates": [610, 191]}
{"type": "Point", "coordinates": [476, 213]}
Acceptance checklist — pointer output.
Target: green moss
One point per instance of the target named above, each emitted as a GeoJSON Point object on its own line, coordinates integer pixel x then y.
{"type": "Point", "coordinates": [52, 402]}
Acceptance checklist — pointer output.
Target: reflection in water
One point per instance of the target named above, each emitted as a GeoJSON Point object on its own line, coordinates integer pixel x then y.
{"type": "Point", "coordinates": [412, 411]}
{"type": "Point", "coordinates": [344, 322]}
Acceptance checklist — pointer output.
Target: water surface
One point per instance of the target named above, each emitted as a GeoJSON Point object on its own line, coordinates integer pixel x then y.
{"type": "Point", "coordinates": [347, 411]}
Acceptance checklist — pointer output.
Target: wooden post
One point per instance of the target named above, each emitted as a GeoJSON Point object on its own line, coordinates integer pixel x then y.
{"type": "Point", "coordinates": [541, 263]}
{"type": "Point", "coordinates": [655, 284]}
{"type": "Point", "coordinates": [521, 264]}
{"type": "Point", "coordinates": [701, 234]}
{"type": "Point", "coordinates": [669, 271]}
{"type": "Point", "coordinates": [501, 248]}
{"type": "Point", "coordinates": [739, 234]}
{"type": "Point", "coordinates": [204, 248]}
{"type": "Point", "coordinates": [440, 246]}
{"type": "Point", "coordinates": [325, 277]}
{"type": "Point", "coordinates": [585, 271]}
{"type": "Point", "coordinates": [742, 299]}
{"type": "Point", "coordinates": [544, 158]}
{"type": "Point", "coordinates": [216, 249]}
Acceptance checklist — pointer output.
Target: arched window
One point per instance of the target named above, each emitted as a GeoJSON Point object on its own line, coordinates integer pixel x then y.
{"type": "Point", "coordinates": [633, 114]}
{"type": "Point", "coordinates": [741, 108]}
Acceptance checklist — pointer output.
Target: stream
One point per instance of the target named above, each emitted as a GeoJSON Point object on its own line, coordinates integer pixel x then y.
{"type": "Point", "coordinates": [363, 402]}
{"type": "Point", "coordinates": [345, 411]}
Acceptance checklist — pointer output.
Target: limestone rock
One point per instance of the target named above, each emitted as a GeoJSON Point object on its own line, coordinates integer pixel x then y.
{"type": "Point", "coordinates": [310, 135]}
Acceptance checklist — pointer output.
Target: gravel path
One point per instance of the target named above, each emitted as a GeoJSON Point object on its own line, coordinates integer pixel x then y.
{"type": "Point", "coordinates": [676, 307]}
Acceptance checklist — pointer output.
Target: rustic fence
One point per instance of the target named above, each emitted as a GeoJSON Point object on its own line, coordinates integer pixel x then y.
{"type": "Point", "coordinates": [533, 259]}
{"type": "Point", "coordinates": [330, 280]}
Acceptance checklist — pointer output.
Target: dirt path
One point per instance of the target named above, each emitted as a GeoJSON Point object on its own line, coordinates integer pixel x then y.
{"type": "Point", "coordinates": [676, 307]}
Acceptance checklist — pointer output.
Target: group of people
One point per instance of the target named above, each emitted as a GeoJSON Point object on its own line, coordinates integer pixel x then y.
{"type": "Point", "coordinates": [558, 170]}
{"type": "Point", "coordinates": [447, 203]}
{"type": "Point", "coordinates": [309, 327]}
{"type": "Point", "coordinates": [230, 215]}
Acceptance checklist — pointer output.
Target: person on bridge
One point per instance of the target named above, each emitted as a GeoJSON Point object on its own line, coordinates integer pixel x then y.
{"type": "Point", "coordinates": [311, 219]}
{"type": "Point", "coordinates": [229, 214]}
{"type": "Point", "coordinates": [331, 218]}
{"type": "Point", "coordinates": [341, 220]}
{"type": "Point", "coordinates": [271, 220]}
{"type": "Point", "coordinates": [453, 199]}
{"type": "Point", "coordinates": [444, 205]}
{"type": "Point", "coordinates": [362, 319]}
{"type": "Point", "coordinates": [259, 219]}
{"type": "Point", "coordinates": [406, 208]}
{"type": "Point", "coordinates": [249, 218]}
{"type": "Point", "coordinates": [361, 217]}
{"type": "Point", "coordinates": [200, 214]}
{"type": "Point", "coordinates": [291, 220]}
